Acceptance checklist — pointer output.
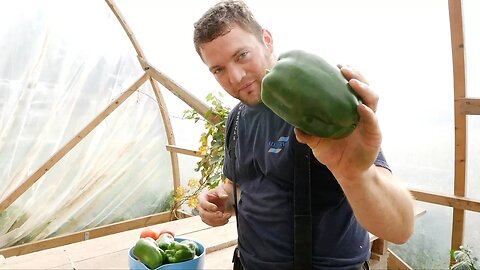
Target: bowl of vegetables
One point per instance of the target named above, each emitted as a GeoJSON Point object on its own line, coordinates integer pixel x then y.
{"type": "Point", "coordinates": [164, 251]}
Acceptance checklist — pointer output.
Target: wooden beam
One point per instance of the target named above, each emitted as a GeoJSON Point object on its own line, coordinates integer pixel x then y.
{"type": "Point", "coordinates": [458, 202]}
{"type": "Point", "coordinates": [468, 106]}
{"type": "Point", "coordinates": [179, 91]}
{"type": "Point", "coordinates": [32, 179]}
{"type": "Point", "coordinates": [458, 59]}
{"type": "Point", "coordinates": [176, 149]}
{"type": "Point", "coordinates": [86, 234]}
{"type": "Point", "coordinates": [396, 263]}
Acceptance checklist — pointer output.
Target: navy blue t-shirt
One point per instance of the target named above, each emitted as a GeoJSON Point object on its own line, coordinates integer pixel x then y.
{"type": "Point", "coordinates": [264, 172]}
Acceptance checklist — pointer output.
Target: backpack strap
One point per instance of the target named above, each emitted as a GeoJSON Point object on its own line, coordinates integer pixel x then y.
{"type": "Point", "coordinates": [232, 143]}
{"type": "Point", "coordinates": [302, 206]}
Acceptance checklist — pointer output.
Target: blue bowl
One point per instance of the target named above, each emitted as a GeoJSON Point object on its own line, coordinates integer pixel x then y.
{"type": "Point", "coordinates": [196, 263]}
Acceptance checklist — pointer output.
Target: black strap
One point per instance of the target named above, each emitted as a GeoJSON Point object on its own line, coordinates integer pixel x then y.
{"type": "Point", "coordinates": [232, 143]}
{"type": "Point", "coordinates": [232, 146]}
{"type": "Point", "coordinates": [302, 206]}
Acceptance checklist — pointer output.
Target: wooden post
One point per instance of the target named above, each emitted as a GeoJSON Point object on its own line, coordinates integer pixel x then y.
{"type": "Point", "coordinates": [458, 58]}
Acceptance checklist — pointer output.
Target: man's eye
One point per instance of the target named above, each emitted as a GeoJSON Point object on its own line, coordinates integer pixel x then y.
{"type": "Point", "coordinates": [242, 55]}
{"type": "Point", "coordinates": [217, 71]}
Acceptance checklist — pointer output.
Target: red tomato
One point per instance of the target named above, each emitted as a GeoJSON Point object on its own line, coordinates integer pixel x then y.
{"type": "Point", "coordinates": [147, 232]}
{"type": "Point", "coordinates": [166, 231]}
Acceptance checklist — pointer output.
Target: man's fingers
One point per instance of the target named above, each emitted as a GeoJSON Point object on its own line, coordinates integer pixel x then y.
{"type": "Point", "coordinates": [215, 218]}
{"type": "Point", "coordinates": [367, 96]}
{"type": "Point", "coordinates": [367, 117]}
{"type": "Point", "coordinates": [205, 203]}
{"type": "Point", "coordinates": [350, 73]}
{"type": "Point", "coordinates": [360, 85]}
{"type": "Point", "coordinates": [302, 137]}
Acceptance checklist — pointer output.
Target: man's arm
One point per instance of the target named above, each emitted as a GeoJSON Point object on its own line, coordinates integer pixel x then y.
{"type": "Point", "coordinates": [380, 204]}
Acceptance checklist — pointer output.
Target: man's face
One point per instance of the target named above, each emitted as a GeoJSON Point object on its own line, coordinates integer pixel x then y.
{"type": "Point", "coordinates": [238, 61]}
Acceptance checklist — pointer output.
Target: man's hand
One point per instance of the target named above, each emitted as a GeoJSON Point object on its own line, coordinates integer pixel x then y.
{"type": "Point", "coordinates": [214, 206]}
{"type": "Point", "coordinates": [349, 157]}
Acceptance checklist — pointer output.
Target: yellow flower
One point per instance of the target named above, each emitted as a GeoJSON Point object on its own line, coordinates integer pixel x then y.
{"type": "Point", "coordinates": [192, 201]}
{"type": "Point", "coordinates": [180, 192]}
{"type": "Point", "coordinates": [203, 140]}
{"type": "Point", "coordinates": [193, 183]}
{"type": "Point", "coordinates": [203, 150]}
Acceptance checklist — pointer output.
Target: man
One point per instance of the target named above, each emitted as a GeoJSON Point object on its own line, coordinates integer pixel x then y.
{"type": "Point", "coordinates": [353, 190]}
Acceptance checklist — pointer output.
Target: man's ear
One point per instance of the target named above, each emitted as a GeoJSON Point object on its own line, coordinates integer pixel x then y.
{"type": "Point", "coordinates": [268, 40]}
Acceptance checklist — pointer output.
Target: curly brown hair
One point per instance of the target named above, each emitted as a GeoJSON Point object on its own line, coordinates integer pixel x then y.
{"type": "Point", "coordinates": [221, 18]}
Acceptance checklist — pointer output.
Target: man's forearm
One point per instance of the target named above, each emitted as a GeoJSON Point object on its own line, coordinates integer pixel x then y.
{"type": "Point", "coordinates": [381, 204]}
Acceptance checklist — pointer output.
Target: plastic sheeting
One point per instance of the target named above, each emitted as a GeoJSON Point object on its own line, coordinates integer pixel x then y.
{"type": "Point", "coordinates": [63, 62]}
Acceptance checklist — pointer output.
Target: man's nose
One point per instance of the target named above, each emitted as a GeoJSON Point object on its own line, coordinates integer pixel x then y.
{"type": "Point", "coordinates": [235, 75]}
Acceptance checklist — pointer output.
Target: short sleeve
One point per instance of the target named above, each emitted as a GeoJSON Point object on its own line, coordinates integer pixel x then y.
{"type": "Point", "coordinates": [381, 161]}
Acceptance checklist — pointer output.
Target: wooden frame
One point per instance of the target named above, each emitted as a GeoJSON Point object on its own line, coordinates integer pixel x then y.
{"type": "Point", "coordinates": [460, 91]}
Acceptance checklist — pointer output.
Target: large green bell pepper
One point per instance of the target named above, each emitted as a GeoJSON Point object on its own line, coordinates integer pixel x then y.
{"type": "Point", "coordinates": [310, 94]}
{"type": "Point", "coordinates": [177, 252]}
{"type": "Point", "coordinates": [147, 251]}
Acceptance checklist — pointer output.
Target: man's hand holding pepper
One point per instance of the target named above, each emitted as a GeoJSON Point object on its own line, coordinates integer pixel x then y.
{"type": "Point", "coordinates": [351, 156]}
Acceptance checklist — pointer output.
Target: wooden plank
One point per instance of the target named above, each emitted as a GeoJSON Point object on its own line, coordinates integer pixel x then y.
{"type": "Point", "coordinates": [379, 247]}
{"type": "Point", "coordinates": [458, 58]}
{"type": "Point", "coordinates": [86, 234]}
{"type": "Point", "coordinates": [101, 247]}
{"type": "Point", "coordinates": [458, 202]}
{"type": "Point", "coordinates": [468, 106]}
{"type": "Point", "coordinates": [218, 255]}
{"type": "Point", "coordinates": [179, 91]}
{"type": "Point", "coordinates": [221, 259]}
{"type": "Point", "coordinates": [110, 252]}
{"type": "Point", "coordinates": [32, 179]}
{"type": "Point", "coordinates": [396, 263]}
{"type": "Point", "coordinates": [176, 149]}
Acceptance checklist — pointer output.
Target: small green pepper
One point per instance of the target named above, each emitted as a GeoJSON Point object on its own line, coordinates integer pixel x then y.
{"type": "Point", "coordinates": [164, 240]}
{"type": "Point", "coordinates": [192, 245]}
{"type": "Point", "coordinates": [147, 252]}
{"type": "Point", "coordinates": [177, 252]}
